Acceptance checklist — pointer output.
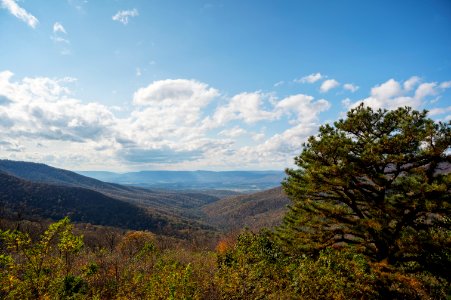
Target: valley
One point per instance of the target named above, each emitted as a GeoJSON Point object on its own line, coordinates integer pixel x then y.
{"type": "Point", "coordinates": [191, 208]}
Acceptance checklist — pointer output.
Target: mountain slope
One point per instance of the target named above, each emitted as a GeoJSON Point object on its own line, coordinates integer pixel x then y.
{"type": "Point", "coordinates": [42, 173]}
{"type": "Point", "coordinates": [174, 212]}
{"type": "Point", "coordinates": [263, 209]}
{"type": "Point", "coordinates": [82, 205]}
{"type": "Point", "coordinates": [161, 201]}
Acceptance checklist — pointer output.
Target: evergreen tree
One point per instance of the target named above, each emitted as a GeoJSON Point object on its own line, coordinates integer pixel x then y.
{"type": "Point", "coordinates": [378, 180]}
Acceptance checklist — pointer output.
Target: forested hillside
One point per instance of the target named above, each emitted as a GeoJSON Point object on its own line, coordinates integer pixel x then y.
{"type": "Point", "coordinates": [81, 205]}
{"type": "Point", "coordinates": [254, 211]}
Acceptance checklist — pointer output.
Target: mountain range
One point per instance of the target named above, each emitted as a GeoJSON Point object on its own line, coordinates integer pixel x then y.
{"type": "Point", "coordinates": [38, 190]}
{"type": "Point", "coordinates": [242, 181]}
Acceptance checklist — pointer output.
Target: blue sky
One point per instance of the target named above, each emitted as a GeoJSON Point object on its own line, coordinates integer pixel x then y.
{"type": "Point", "coordinates": [219, 85]}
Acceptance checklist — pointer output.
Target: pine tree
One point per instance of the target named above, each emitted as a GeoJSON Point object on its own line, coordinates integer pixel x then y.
{"type": "Point", "coordinates": [378, 180]}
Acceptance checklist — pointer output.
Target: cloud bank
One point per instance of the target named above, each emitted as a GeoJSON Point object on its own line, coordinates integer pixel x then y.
{"type": "Point", "coordinates": [174, 124]}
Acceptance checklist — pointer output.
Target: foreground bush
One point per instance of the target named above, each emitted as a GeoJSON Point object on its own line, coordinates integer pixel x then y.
{"type": "Point", "coordinates": [57, 265]}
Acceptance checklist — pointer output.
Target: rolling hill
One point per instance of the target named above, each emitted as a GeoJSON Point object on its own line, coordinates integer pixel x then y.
{"type": "Point", "coordinates": [42, 190]}
{"type": "Point", "coordinates": [80, 204]}
{"type": "Point", "coordinates": [37, 172]}
{"type": "Point", "coordinates": [162, 201]}
{"type": "Point", "coordinates": [35, 186]}
{"type": "Point", "coordinates": [255, 211]}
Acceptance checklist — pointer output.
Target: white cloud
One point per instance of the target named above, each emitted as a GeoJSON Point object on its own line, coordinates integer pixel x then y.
{"type": "Point", "coordinates": [58, 39]}
{"type": "Point", "coordinates": [410, 83]}
{"type": "Point", "coordinates": [439, 111]}
{"type": "Point", "coordinates": [20, 13]}
{"type": "Point", "coordinates": [391, 95]}
{"type": "Point", "coordinates": [58, 27]}
{"type": "Point", "coordinates": [167, 125]}
{"type": "Point", "coordinates": [123, 15]}
{"type": "Point", "coordinates": [233, 132]}
{"type": "Point", "coordinates": [350, 87]}
{"type": "Point", "coordinates": [245, 106]}
{"type": "Point", "coordinates": [346, 102]}
{"type": "Point", "coordinates": [445, 85]}
{"type": "Point", "coordinates": [173, 123]}
{"type": "Point", "coordinates": [42, 108]}
{"type": "Point", "coordinates": [169, 112]}
{"type": "Point", "coordinates": [138, 72]}
{"type": "Point", "coordinates": [279, 83]}
{"type": "Point", "coordinates": [258, 136]}
{"type": "Point", "coordinates": [328, 84]}
{"type": "Point", "coordinates": [388, 89]}
{"type": "Point", "coordinates": [312, 78]}
{"type": "Point", "coordinates": [426, 89]}
{"type": "Point", "coordinates": [303, 106]}
{"type": "Point", "coordinates": [180, 92]}
{"type": "Point", "coordinates": [78, 4]}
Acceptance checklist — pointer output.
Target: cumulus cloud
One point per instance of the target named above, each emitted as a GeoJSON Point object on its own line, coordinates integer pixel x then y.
{"type": "Point", "coordinates": [426, 89]}
{"type": "Point", "coordinates": [312, 78]}
{"type": "Point", "coordinates": [168, 124]}
{"type": "Point", "coordinates": [233, 132]}
{"type": "Point", "coordinates": [281, 147]}
{"type": "Point", "coordinates": [410, 83]}
{"type": "Point", "coordinates": [350, 87]}
{"type": "Point", "coordinates": [386, 90]}
{"type": "Point", "coordinates": [171, 105]}
{"type": "Point", "coordinates": [391, 94]}
{"type": "Point", "coordinates": [41, 107]}
{"type": "Point", "coordinates": [175, 92]}
{"type": "Point", "coordinates": [20, 13]}
{"type": "Point", "coordinates": [173, 123]}
{"type": "Point", "coordinates": [247, 107]}
{"type": "Point", "coordinates": [258, 136]}
{"type": "Point", "coordinates": [124, 15]}
{"type": "Point", "coordinates": [328, 84]}
{"type": "Point", "coordinates": [303, 106]}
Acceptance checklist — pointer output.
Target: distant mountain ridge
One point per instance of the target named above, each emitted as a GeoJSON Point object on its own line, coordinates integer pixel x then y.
{"type": "Point", "coordinates": [233, 180]}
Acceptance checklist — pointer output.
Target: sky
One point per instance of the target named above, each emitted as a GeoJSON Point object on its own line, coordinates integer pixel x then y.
{"type": "Point", "coordinates": [208, 85]}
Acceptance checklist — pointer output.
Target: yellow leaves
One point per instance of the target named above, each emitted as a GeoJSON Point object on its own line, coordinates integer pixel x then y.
{"type": "Point", "coordinates": [135, 241]}
{"type": "Point", "coordinates": [373, 224]}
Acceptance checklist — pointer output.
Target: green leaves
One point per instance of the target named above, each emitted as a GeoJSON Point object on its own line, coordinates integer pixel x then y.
{"type": "Point", "coordinates": [367, 179]}
{"type": "Point", "coordinates": [32, 264]}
